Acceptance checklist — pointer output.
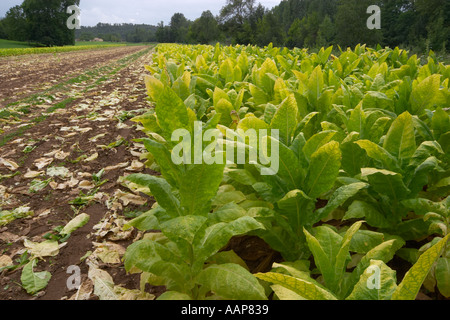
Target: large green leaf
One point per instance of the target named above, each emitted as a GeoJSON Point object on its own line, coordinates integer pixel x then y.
{"type": "Point", "coordinates": [341, 195]}
{"type": "Point", "coordinates": [379, 153]}
{"type": "Point", "coordinates": [231, 282]}
{"type": "Point", "coordinates": [424, 94]}
{"type": "Point", "coordinates": [325, 245]}
{"type": "Point", "coordinates": [420, 177]}
{"type": "Point", "coordinates": [185, 227]}
{"type": "Point", "coordinates": [363, 210]}
{"type": "Point", "coordinates": [442, 273]}
{"type": "Point", "coordinates": [422, 206]}
{"type": "Point", "coordinates": [224, 107]}
{"type": "Point", "coordinates": [353, 156]}
{"type": "Point", "coordinates": [412, 282]}
{"type": "Point", "coordinates": [163, 158]}
{"type": "Point", "coordinates": [343, 254]}
{"type": "Point", "coordinates": [400, 140]}
{"type": "Point", "coordinates": [386, 182]}
{"type": "Point", "coordinates": [316, 141]}
{"type": "Point", "coordinates": [259, 96]}
{"type": "Point", "coordinates": [440, 123]}
{"type": "Point", "coordinates": [357, 120]}
{"type": "Point", "coordinates": [285, 119]}
{"type": "Point", "coordinates": [151, 256]}
{"type": "Point", "coordinates": [378, 282]}
{"type": "Point", "coordinates": [33, 282]}
{"type": "Point", "coordinates": [365, 240]}
{"type": "Point", "coordinates": [323, 169]}
{"type": "Point", "coordinates": [171, 112]}
{"type": "Point", "coordinates": [146, 221]}
{"type": "Point", "coordinates": [304, 288]}
{"type": "Point", "coordinates": [315, 85]}
{"type": "Point", "coordinates": [154, 87]}
{"type": "Point", "coordinates": [161, 190]}
{"type": "Point", "coordinates": [217, 236]}
{"type": "Point", "coordinates": [296, 205]}
{"type": "Point", "coordinates": [281, 91]}
{"type": "Point", "coordinates": [384, 252]}
{"type": "Point", "coordinates": [199, 185]}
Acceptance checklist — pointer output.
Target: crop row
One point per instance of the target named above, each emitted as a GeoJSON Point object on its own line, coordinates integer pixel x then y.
{"type": "Point", "coordinates": [361, 143]}
{"type": "Point", "coordinates": [24, 51]}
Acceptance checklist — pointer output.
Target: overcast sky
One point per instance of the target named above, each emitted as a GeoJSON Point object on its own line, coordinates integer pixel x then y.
{"type": "Point", "coordinates": [140, 11]}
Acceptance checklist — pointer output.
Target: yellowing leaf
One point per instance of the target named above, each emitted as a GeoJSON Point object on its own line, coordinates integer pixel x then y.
{"type": "Point", "coordinates": [43, 162]}
{"type": "Point", "coordinates": [412, 282]}
{"type": "Point", "coordinates": [32, 174]}
{"type": "Point", "coordinates": [5, 261]}
{"type": "Point", "coordinates": [44, 249]}
{"type": "Point", "coordinates": [11, 165]}
{"type": "Point", "coordinates": [91, 158]}
{"type": "Point", "coordinates": [109, 252]}
{"type": "Point", "coordinates": [305, 289]}
{"type": "Point", "coordinates": [136, 166]}
{"type": "Point", "coordinates": [76, 223]}
{"type": "Point", "coordinates": [128, 198]}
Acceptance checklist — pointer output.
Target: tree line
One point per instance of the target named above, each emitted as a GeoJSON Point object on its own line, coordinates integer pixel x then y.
{"type": "Point", "coordinates": [118, 32]}
{"type": "Point", "coordinates": [418, 24]}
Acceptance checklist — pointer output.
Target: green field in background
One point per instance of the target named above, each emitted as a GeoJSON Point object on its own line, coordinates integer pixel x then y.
{"type": "Point", "coordinates": [13, 44]}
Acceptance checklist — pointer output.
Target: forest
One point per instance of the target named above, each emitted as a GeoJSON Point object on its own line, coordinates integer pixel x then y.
{"type": "Point", "coordinates": [415, 24]}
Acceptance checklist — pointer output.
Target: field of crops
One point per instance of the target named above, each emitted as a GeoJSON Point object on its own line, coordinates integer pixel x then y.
{"type": "Point", "coordinates": [357, 206]}
{"type": "Point", "coordinates": [11, 51]}
{"type": "Point", "coordinates": [245, 173]}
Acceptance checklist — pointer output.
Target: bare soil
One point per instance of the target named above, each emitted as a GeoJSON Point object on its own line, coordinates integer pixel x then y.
{"type": "Point", "coordinates": [70, 132]}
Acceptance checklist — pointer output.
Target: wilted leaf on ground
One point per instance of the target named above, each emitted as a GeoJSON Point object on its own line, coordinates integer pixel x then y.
{"type": "Point", "coordinates": [32, 174]}
{"type": "Point", "coordinates": [42, 162]}
{"type": "Point", "coordinates": [11, 165]}
{"type": "Point", "coordinates": [128, 198]}
{"type": "Point", "coordinates": [117, 166]}
{"type": "Point", "coordinates": [109, 252]}
{"type": "Point", "coordinates": [48, 248]}
{"type": "Point", "coordinates": [61, 155]}
{"type": "Point", "coordinates": [61, 172]}
{"type": "Point", "coordinates": [103, 283]}
{"type": "Point", "coordinates": [91, 158]}
{"type": "Point", "coordinates": [76, 223]}
{"type": "Point", "coordinates": [86, 185]}
{"type": "Point", "coordinates": [130, 295]}
{"type": "Point", "coordinates": [34, 282]}
{"type": "Point", "coordinates": [18, 213]}
{"type": "Point", "coordinates": [5, 261]}
{"type": "Point", "coordinates": [136, 166]}
{"type": "Point", "coordinates": [84, 291]}
{"type": "Point", "coordinates": [37, 185]}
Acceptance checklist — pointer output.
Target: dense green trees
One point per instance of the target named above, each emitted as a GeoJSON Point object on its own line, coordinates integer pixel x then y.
{"type": "Point", "coordinates": [422, 24]}
{"type": "Point", "coordinates": [14, 24]}
{"type": "Point", "coordinates": [42, 22]}
{"type": "Point", "coordinates": [205, 29]}
{"type": "Point", "coordinates": [351, 24]}
{"type": "Point", "coordinates": [118, 32]}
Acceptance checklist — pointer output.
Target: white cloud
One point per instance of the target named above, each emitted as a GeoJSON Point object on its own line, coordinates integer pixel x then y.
{"type": "Point", "coordinates": [140, 11]}
{"type": "Point", "coordinates": [149, 11]}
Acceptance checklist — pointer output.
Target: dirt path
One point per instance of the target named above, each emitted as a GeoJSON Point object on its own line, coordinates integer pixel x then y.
{"type": "Point", "coordinates": [63, 158]}
{"type": "Point", "coordinates": [24, 75]}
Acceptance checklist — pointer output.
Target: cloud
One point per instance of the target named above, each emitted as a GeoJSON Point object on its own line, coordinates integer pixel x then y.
{"type": "Point", "coordinates": [140, 11]}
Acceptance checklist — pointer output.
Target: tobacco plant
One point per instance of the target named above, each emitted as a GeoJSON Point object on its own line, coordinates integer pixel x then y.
{"type": "Point", "coordinates": [185, 255]}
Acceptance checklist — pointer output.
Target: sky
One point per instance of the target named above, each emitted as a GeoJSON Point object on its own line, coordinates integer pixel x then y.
{"type": "Point", "coordinates": [140, 11]}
